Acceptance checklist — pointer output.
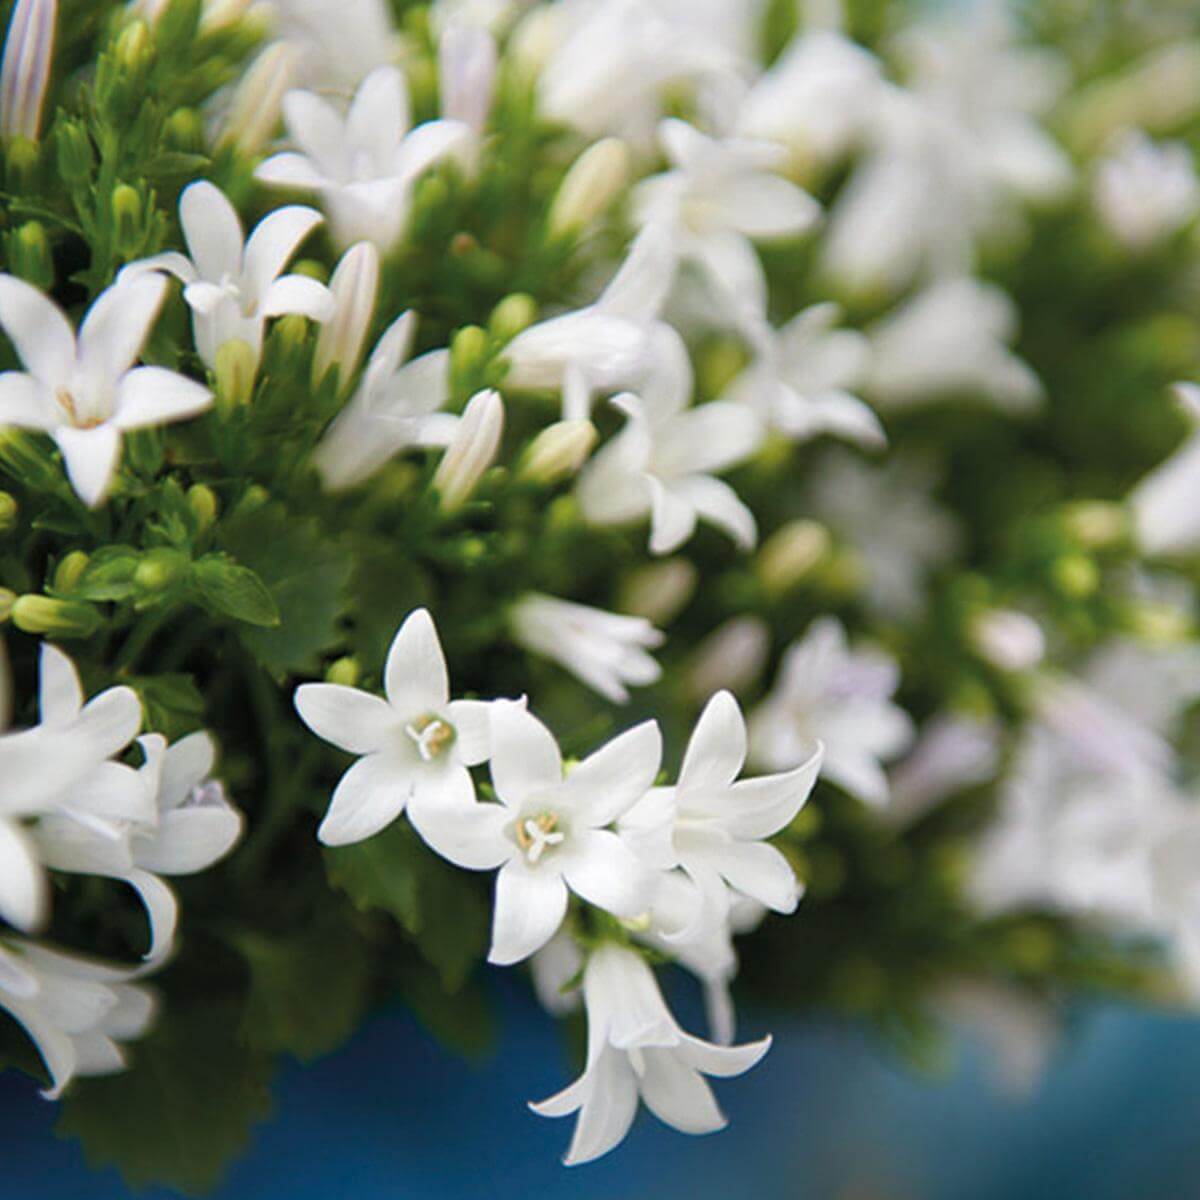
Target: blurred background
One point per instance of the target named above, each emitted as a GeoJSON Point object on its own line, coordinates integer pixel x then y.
{"type": "Point", "coordinates": [828, 1116]}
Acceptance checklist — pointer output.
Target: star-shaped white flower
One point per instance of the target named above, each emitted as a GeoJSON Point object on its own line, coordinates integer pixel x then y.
{"type": "Point", "coordinates": [415, 745]}
{"type": "Point", "coordinates": [85, 391]}
{"type": "Point", "coordinates": [363, 165]}
{"type": "Point", "coordinates": [840, 698]}
{"type": "Point", "coordinates": [231, 288]}
{"type": "Point", "coordinates": [548, 834]}
{"type": "Point", "coordinates": [636, 1049]}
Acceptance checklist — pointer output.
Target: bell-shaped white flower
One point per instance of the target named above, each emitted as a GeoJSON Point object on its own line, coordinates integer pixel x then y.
{"type": "Point", "coordinates": [414, 747]}
{"type": "Point", "coordinates": [547, 835]}
{"type": "Point", "coordinates": [713, 825]}
{"type": "Point", "coordinates": [637, 1050]}
{"type": "Point", "coordinates": [77, 1012]}
{"type": "Point", "coordinates": [1145, 191]}
{"type": "Point", "coordinates": [606, 345]}
{"type": "Point", "coordinates": [1166, 503]}
{"type": "Point", "coordinates": [607, 651]}
{"type": "Point", "coordinates": [803, 376]}
{"type": "Point", "coordinates": [85, 391]}
{"type": "Point", "coordinates": [663, 463]}
{"type": "Point", "coordinates": [394, 407]}
{"type": "Point", "coordinates": [362, 166]}
{"type": "Point", "coordinates": [840, 698]}
{"type": "Point", "coordinates": [231, 288]}
{"type": "Point", "coordinates": [25, 71]}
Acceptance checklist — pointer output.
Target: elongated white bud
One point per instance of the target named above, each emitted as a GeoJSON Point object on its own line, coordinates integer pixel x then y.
{"type": "Point", "coordinates": [28, 51]}
{"type": "Point", "coordinates": [595, 179]}
{"type": "Point", "coordinates": [557, 452]}
{"type": "Point", "coordinates": [467, 72]}
{"type": "Point", "coordinates": [1009, 640]}
{"type": "Point", "coordinates": [257, 104]}
{"type": "Point", "coordinates": [472, 451]}
{"type": "Point", "coordinates": [355, 286]}
{"type": "Point", "coordinates": [659, 590]}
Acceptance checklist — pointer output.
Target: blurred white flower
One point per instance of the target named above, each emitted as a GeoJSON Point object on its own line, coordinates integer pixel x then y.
{"type": "Point", "coordinates": [1009, 640]}
{"type": "Point", "coordinates": [1166, 503]}
{"type": "Point", "coordinates": [338, 45]}
{"type": "Point", "coordinates": [1145, 191]}
{"type": "Point", "coordinates": [731, 657]}
{"type": "Point", "coordinates": [829, 695]}
{"type": "Point", "coordinates": [467, 64]}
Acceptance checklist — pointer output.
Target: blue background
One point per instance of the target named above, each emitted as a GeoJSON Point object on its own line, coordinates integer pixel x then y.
{"type": "Point", "coordinates": [826, 1116]}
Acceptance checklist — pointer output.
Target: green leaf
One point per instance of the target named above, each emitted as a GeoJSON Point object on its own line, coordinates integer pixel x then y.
{"type": "Point", "coordinates": [173, 704]}
{"type": "Point", "coordinates": [184, 1110]}
{"type": "Point", "coordinates": [230, 589]}
{"type": "Point", "coordinates": [306, 573]}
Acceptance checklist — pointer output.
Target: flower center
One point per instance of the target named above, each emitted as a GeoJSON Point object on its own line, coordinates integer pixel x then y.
{"type": "Point", "coordinates": [66, 401]}
{"type": "Point", "coordinates": [205, 795]}
{"type": "Point", "coordinates": [432, 735]}
{"type": "Point", "coordinates": [535, 834]}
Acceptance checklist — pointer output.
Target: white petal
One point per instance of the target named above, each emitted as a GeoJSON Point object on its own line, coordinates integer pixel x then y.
{"type": "Point", "coordinates": [161, 907]}
{"type": "Point", "coordinates": [723, 1061]}
{"type": "Point", "coordinates": [24, 403]}
{"type": "Point", "coordinates": [757, 870]}
{"type": "Point", "coordinates": [608, 1112]}
{"type": "Point", "coordinates": [319, 132]}
{"type": "Point", "coordinates": [717, 503]}
{"type": "Point", "coordinates": [712, 437]}
{"type": "Point", "coordinates": [672, 517]}
{"type": "Point", "coordinates": [677, 1094]}
{"type": "Point", "coordinates": [466, 71]}
{"type": "Point", "coordinates": [431, 142]}
{"type": "Point", "coordinates": [530, 905]}
{"type": "Point", "coordinates": [378, 118]}
{"type": "Point", "coordinates": [187, 763]}
{"type": "Point", "coordinates": [858, 774]}
{"type": "Point", "coordinates": [606, 783]}
{"type": "Point", "coordinates": [760, 808]}
{"type": "Point", "coordinates": [189, 839]}
{"type": "Point", "coordinates": [415, 677]}
{"type": "Point", "coordinates": [56, 1048]}
{"type": "Point", "coordinates": [763, 206]}
{"type": "Point", "coordinates": [112, 792]}
{"type": "Point", "coordinates": [290, 171]}
{"type": "Point", "coordinates": [42, 336]}
{"type": "Point", "coordinates": [835, 412]}
{"type": "Point", "coordinates": [110, 721]}
{"type": "Point", "coordinates": [170, 261]}
{"type": "Point", "coordinates": [212, 230]}
{"type": "Point", "coordinates": [91, 457]}
{"type": "Point", "coordinates": [598, 866]}
{"type": "Point", "coordinates": [648, 828]}
{"type": "Point", "coordinates": [116, 327]}
{"type": "Point", "coordinates": [60, 695]}
{"type": "Point", "coordinates": [638, 289]}
{"type": "Point", "coordinates": [472, 721]}
{"type": "Point", "coordinates": [525, 757]}
{"type": "Point", "coordinates": [24, 896]}
{"type": "Point", "coordinates": [298, 294]}
{"type": "Point", "coordinates": [717, 749]}
{"type": "Point", "coordinates": [472, 836]}
{"type": "Point", "coordinates": [156, 396]}
{"type": "Point", "coordinates": [369, 797]}
{"type": "Point", "coordinates": [350, 719]}
{"type": "Point", "coordinates": [271, 246]}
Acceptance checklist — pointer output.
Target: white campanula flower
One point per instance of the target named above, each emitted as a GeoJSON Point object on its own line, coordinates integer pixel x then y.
{"type": "Point", "coordinates": [714, 825]}
{"type": "Point", "coordinates": [231, 288]}
{"type": "Point", "coordinates": [84, 390]}
{"type": "Point", "coordinates": [471, 450]}
{"type": "Point", "coordinates": [950, 341]}
{"type": "Point", "coordinates": [606, 345]}
{"type": "Point", "coordinates": [25, 70]}
{"type": "Point", "coordinates": [77, 1011]}
{"type": "Point", "coordinates": [1166, 503]}
{"type": "Point", "coordinates": [1145, 191]}
{"type": "Point", "coordinates": [607, 651]}
{"type": "Point", "coordinates": [395, 406]}
{"type": "Point", "coordinates": [548, 832]}
{"type": "Point", "coordinates": [413, 748]}
{"type": "Point", "coordinates": [663, 463]}
{"type": "Point", "coordinates": [803, 376]}
{"type": "Point", "coordinates": [337, 46]}
{"type": "Point", "coordinates": [363, 166]}
{"type": "Point", "coordinates": [636, 1050]}
{"type": "Point", "coordinates": [826, 693]}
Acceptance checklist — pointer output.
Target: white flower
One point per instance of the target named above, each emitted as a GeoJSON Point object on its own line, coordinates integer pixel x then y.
{"type": "Point", "coordinates": [1166, 503]}
{"type": "Point", "coordinates": [895, 527]}
{"type": "Point", "coordinates": [663, 463]}
{"type": "Point", "coordinates": [1008, 639]}
{"type": "Point", "coordinates": [77, 1012]}
{"type": "Point", "coordinates": [231, 288]}
{"type": "Point", "coordinates": [25, 72]}
{"type": "Point", "coordinates": [85, 392]}
{"type": "Point", "coordinates": [952, 753]}
{"type": "Point", "coordinates": [606, 345]}
{"type": "Point", "coordinates": [803, 376]}
{"type": "Point", "coordinates": [363, 166]}
{"type": "Point", "coordinates": [471, 450]}
{"type": "Point", "coordinates": [607, 651]}
{"type": "Point", "coordinates": [713, 825]}
{"type": "Point", "coordinates": [827, 694]}
{"type": "Point", "coordinates": [547, 835]}
{"type": "Point", "coordinates": [636, 1049]}
{"type": "Point", "coordinates": [950, 340]}
{"type": "Point", "coordinates": [338, 45]}
{"type": "Point", "coordinates": [395, 406]}
{"type": "Point", "coordinates": [1145, 191]}
{"type": "Point", "coordinates": [415, 746]}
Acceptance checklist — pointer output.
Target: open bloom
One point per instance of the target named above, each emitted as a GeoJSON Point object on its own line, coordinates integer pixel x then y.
{"type": "Point", "coordinates": [637, 1050]}
{"type": "Point", "coordinates": [1146, 191]}
{"type": "Point", "coordinates": [394, 407]}
{"type": "Point", "coordinates": [362, 166]}
{"type": "Point", "coordinates": [415, 745]}
{"type": "Point", "coordinates": [713, 825]}
{"type": "Point", "coordinates": [662, 463]}
{"type": "Point", "coordinates": [233, 289]}
{"type": "Point", "coordinates": [77, 1012]}
{"type": "Point", "coordinates": [547, 835]}
{"type": "Point", "coordinates": [85, 391]}
{"type": "Point", "coordinates": [608, 651]}
{"type": "Point", "coordinates": [827, 693]}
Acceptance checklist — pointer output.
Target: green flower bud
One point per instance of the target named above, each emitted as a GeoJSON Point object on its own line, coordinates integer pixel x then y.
{"type": "Point", "coordinates": [594, 181]}
{"type": "Point", "coordinates": [557, 452]}
{"type": "Point", "coordinates": [134, 46]}
{"type": "Point", "coordinates": [160, 568]}
{"type": "Point", "coordinates": [290, 332]}
{"type": "Point", "coordinates": [7, 599]}
{"type": "Point", "coordinates": [8, 513]}
{"type": "Point", "coordinates": [511, 315]}
{"type": "Point", "coordinates": [790, 553]}
{"type": "Point", "coordinates": [237, 366]}
{"type": "Point", "coordinates": [659, 590]}
{"type": "Point", "coordinates": [1097, 524]}
{"type": "Point", "coordinates": [469, 351]}
{"type": "Point", "coordinates": [202, 500]}
{"type": "Point", "coordinates": [55, 618]}
{"type": "Point", "coordinates": [345, 671]}
{"type": "Point", "coordinates": [21, 157]}
{"type": "Point", "coordinates": [1075, 576]}
{"type": "Point", "coordinates": [76, 157]}
{"type": "Point", "coordinates": [70, 570]}
{"type": "Point", "coordinates": [127, 219]}
{"type": "Point", "coordinates": [184, 130]}
{"type": "Point", "coordinates": [29, 255]}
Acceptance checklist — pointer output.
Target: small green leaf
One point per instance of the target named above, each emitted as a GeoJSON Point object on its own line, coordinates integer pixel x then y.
{"type": "Point", "coordinates": [230, 589]}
